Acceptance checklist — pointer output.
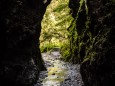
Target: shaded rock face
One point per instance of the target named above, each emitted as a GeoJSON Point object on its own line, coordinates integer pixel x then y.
{"type": "Point", "coordinates": [20, 26]}
{"type": "Point", "coordinates": [95, 41]}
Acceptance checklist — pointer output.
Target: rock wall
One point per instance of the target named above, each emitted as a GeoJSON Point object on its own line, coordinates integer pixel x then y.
{"type": "Point", "coordinates": [20, 26]}
{"type": "Point", "coordinates": [95, 41]}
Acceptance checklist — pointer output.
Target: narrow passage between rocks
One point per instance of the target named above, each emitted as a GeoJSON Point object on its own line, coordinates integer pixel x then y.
{"type": "Point", "coordinates": [59, 73]}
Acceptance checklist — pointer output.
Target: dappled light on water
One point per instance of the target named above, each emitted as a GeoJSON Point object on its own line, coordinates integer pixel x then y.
{"type": "Point", "coordinates": [56, 70]}
{"type": "Point", "coordinates": [59, 73]}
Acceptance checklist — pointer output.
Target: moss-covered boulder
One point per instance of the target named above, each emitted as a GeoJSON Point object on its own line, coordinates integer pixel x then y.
{"type": "Point", "coordinates": [20, 26]}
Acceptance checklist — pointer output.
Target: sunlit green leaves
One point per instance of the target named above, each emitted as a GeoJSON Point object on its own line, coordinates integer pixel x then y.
{"type": "Point", "coordinates": [60, 7]}
{"type": "Point", "coordinates": [55, 23]}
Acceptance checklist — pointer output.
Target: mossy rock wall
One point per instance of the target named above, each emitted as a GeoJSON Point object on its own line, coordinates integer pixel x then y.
{"type": "Point", "coordinates": [95, 41]}
{"type": "Point", "coordinates": [20, 27]}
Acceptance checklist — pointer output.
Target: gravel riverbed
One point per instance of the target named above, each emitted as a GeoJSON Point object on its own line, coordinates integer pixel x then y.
{"type": "Point", "coordinates": [59, 73]}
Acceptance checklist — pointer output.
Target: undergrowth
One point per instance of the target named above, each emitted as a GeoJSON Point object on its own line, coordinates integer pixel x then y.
{"type": "Point", "coordinates": [47, 47]}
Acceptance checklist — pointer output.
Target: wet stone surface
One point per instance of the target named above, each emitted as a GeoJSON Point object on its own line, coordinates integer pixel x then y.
{"type": "Point", "coordinates": [59, 73]}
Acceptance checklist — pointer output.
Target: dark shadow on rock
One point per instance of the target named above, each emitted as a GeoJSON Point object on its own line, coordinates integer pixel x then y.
{"type": "Point", "coordinates": [20, 27]}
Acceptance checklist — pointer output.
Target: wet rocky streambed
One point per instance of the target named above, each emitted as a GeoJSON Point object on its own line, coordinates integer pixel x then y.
{"type": "Point", "coordinates": [59, 73]}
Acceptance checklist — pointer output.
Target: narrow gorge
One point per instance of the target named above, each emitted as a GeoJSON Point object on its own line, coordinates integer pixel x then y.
{"type": "Point", "coordinates": [89, 59]}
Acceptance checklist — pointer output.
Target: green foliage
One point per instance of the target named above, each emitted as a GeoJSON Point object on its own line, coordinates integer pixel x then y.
{"type": "Point", "coordinates": [65, 51]}
{"type": "Point", "coordinates": [60, 7]}
{"type": "Point", "coordinates": [54, 25]}
{"type": "Point", "coordinates": [66, 20]}
{"type": "Point", "coordinates": [73, 35]}
{"type": "Point", "coordinates": [47, 47]}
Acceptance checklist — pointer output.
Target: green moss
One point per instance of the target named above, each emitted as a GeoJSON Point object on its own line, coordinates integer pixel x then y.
{"type": "Point", "coordinates": [85, 60]}
{"type": "Point", "coordinates": [65, 51]}
{"type": "Point", "coordinates": [76, 41]}
{"type": "Point", "coordinates": [90, 57]}
{"type": "Point", "coordinates": [58, 79]}
{"type": "Point", "coordinates": [81, 4]}
{"type": "Point", "coordinates": [55, 79]}
{"type": "Point", "coordinates": [55, 70]}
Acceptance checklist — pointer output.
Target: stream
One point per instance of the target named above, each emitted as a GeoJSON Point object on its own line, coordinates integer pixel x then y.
{"type": "Point", "coordinates": [59, 73]}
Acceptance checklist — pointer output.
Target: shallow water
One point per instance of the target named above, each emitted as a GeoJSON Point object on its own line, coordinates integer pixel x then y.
{"type": "Point", "coordinates": [59, 73]}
